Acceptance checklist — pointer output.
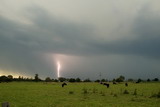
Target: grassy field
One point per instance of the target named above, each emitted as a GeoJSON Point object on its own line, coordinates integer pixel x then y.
{"type": "Point", "coordinates": [31, 94]}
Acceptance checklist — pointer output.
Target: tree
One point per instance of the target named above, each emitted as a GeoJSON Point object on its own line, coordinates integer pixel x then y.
{"type": "Point", "coordinates": [120, 79]}
{"type": "Point", "coordinates": [130, 80]}
{"type": "Point", "coordinates": [36, 78]}
{"type": "Point", "coordinates": [78, 80]}
{"type": "Point", "coordinates": [97, 80]}
{"type": "Point", "coordinates": [10, 77]}
{"type": "Point", "coordinates": [139, 80]}
{"type": "Point", "coordinates": [4, 78]}
{"type": "Point", "coordinates": [148, 80]}
{"type": "Point", "coordinates": [55, 80]}
{"type": "Point", "coordinates": [72, 80]}
{"type": "Point", "coordinates": [106, 80]}
{"type": "Point", "coordinates": [48, 79]}
{"type": "Point", "coordinates": [156, 79]}
{"type": "Point", "coordinates": [103, 80]}
{"type": "Point", "coordinates": [19, 78]}
{"type": "Point", "coordinates": [87, 80]}
{"type": "Point", "coordinates": [114, 80]}
{"type": "Point", "coordinates": [61, 79]}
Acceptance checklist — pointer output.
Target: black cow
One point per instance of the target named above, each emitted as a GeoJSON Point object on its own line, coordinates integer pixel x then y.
{"type": "Point", "coordinates": [126, 84]}
{"type": "Point", "coordinates": [114, 83]}
{"type": "Point", "coordinates": [106, 85]}
{"type": "Point", "coordinates": [64, 84]}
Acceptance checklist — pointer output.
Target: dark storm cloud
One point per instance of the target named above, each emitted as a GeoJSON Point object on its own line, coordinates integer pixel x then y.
{"type": "Point", "coordinates": [146, 32]}
{"type": "Point", "coordinates": [52, 34]}
{"type": "Point", "coordinates": [17, 50]}
{"type": "Point", "coordinates": [22, 46]}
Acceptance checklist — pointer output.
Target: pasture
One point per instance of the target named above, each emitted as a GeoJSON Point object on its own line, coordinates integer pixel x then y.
{"type": "Point", "coordinates": [41, 94]}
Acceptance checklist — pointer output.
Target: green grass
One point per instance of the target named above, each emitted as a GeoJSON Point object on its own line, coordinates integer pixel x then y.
{"type": "Point", "coordinates": [32, 94]}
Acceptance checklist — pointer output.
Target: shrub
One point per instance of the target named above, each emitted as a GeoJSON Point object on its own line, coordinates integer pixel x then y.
{"type": "Point", "coordinates": [85, 91]}
{"type": "Point", "coordinates": [102, 93]}
{"type": "Point", "coordinates": [121, 91]}
{"type": "Point", "coordinates": [115, 95]}
{"type": "Point", "coordinates": [156, 95]}
{"type": "Point", "coordinates": [135, 92]}
{"type": "Point", "coordinates": [111, 93]}
{"type": "Point", "coordinates": [71, 92]}
{"type": "Point", "coordinates": [94, 90]}
{"type": "Point", "coordinates": [125, 92]}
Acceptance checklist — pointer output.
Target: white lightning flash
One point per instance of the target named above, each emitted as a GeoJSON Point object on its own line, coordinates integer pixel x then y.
{"type": "Point", "coordinates": [58, 69]}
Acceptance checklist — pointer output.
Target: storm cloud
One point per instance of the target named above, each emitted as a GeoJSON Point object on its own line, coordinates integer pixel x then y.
{"type": "Point", "coordinates": [126, 45]}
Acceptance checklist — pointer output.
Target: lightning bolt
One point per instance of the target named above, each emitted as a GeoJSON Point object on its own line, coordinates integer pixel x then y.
{"type": "Point", "coordinates": [58, 69]}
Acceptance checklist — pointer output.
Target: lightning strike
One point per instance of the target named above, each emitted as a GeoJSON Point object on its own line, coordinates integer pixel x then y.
{"type": "Point", "coordinates": [58, 69]}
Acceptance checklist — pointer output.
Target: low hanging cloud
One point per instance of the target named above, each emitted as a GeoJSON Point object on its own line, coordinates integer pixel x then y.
{"type": "Point", "coordinates": [23, 46]}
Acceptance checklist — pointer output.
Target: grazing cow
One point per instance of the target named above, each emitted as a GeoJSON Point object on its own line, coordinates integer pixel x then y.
{"type": "Point", "coordinates": [64, 84]}
{"type": "Point", "coordinates": [114, 83]}
{"type": "Point", "coordinates": [126, 84]}
{"type": "Point", "coordinates": [137, 82]}
{"type": "Point", "coordinates": [106, 85]}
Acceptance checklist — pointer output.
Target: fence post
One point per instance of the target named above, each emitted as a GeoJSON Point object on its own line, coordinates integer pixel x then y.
{"type": "Point", "coordinates": [5, 104]}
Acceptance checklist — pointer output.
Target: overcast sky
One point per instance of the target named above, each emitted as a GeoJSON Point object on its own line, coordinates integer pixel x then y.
{"type": "Point", "coordinates": [87, 37]}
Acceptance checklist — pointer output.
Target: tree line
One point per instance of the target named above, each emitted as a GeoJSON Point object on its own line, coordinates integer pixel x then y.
{"type": "Point", "coordinates": [36, 78]}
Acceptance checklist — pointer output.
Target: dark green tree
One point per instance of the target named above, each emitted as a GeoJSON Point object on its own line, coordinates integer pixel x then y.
{"type": "Point", "coordinates": [48, 79]}
{"type": "Point", "coordinates": [120, 79]}
{"type": "Point", "coordinates": [78, 80]}
{"type": "Point", "coordinates": [3, 78]}
{"type": "Point", "coordinates": [139, 80]}
{"type": "Point", "coordinates": [97, 80]}
{"type": "Point", "coordinates": [62, 79]}
{"type": "Point", "coordinates": [148, 80]}
{"type": "Point", "coordinates": [19, 78]}
{"type": "Point", "coordinates": [156, 79]}
{"type": "Point", "coordinates": [103, 80]}
{"type": "Point", "coordinates": [87, 80]}
{"type": "Point", "coordinates": [36, 78]}
{"type": "Point", "coordinates": [10, 78]}
{"type": "Point", "coordinates": [130, 80]}
{"type": "Point", "coordinates": [114, 80]}
{"type": "Point", "coordinates": [72, 80]}
{"type": "Point", "coordinates": [55, 80]}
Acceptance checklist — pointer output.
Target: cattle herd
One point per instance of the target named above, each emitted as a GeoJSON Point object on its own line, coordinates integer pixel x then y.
{"type": "Point", "coordinates": [105, 84]}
